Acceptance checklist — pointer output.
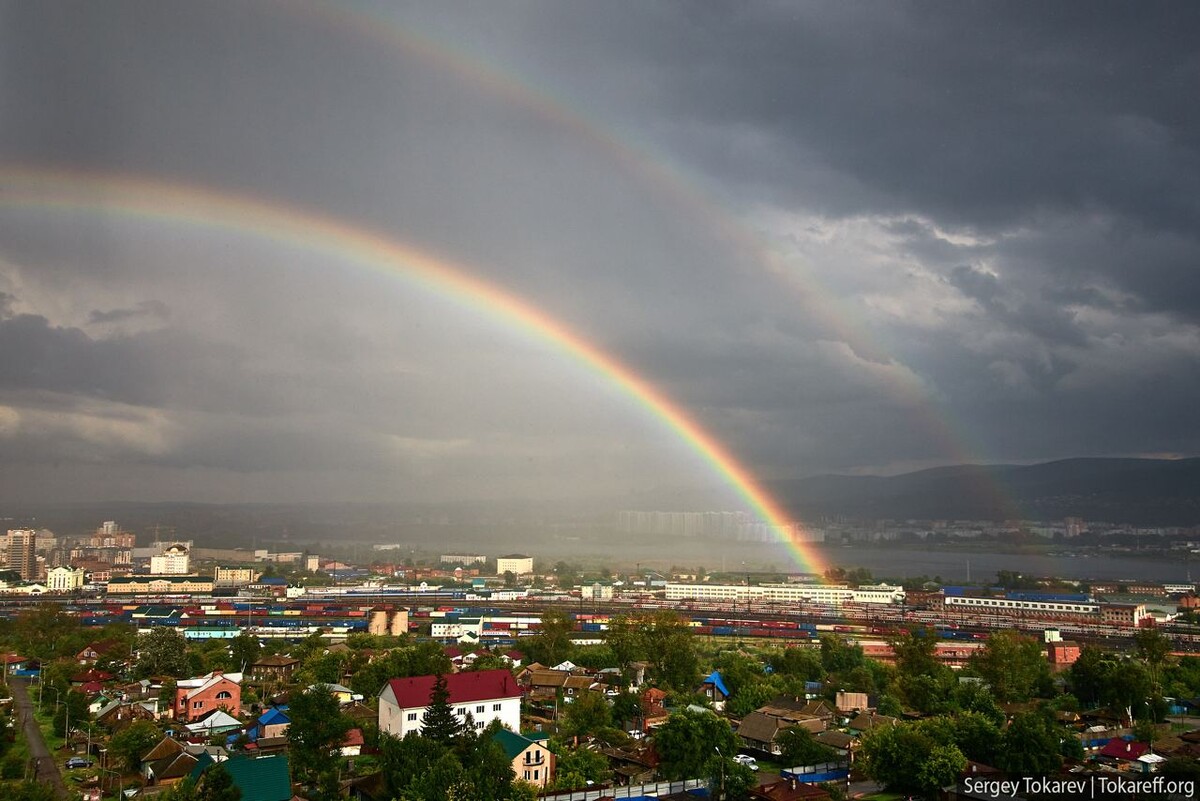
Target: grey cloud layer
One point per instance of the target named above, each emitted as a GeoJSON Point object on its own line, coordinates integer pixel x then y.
{"type": "Point", "coordinates": [985, 216]}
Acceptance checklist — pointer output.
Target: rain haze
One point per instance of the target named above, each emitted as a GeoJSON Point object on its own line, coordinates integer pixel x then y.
{"type": "Point", "coordinates": [263, 251]}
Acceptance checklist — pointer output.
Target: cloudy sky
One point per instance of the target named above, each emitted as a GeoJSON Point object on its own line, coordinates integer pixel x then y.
{"type": "Point", "coordinates": [843, 237]}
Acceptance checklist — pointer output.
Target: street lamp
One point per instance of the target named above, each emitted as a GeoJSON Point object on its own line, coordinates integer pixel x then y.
{"type": "Point", "coordinates": [120, 781]}
{"type": "Point", "coordinates": [721, 764]}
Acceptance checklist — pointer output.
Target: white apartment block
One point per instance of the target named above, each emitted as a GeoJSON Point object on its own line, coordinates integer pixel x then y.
{"type": "Point", "coordinates": [483, 695]}
{"type": "Point", "coordinates": [173, 561]}
{"type": "Point", "coordinates": [462, 559]}
{"type": "Point", "coordinates": [234, 576]}
{"type": "Point", "coordinates": [517, 564]}
{"type": "Point", "coordinates": [832, 594]}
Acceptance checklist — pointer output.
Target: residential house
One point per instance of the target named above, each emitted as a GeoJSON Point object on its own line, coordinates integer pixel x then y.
{"type": "Point", "coordinates": [713, 688]}
{"type": "Point", "coordinates": [635, 765]}
{"type": "Point", "coordinates": [272, 723]}
{"type": "Point", "coordinates": [485, 695]}
{"type": "Point", "coordinates": [844, 745]}
{"type": "Point", "coordinates": [278, 667]}
{"type": "Point", "coordinates": [851, 702]}
{"type": "Point", "coordinates": [1123, 753]}
{"type": "Point", "coordinates": [531, 760]}
{"type": "Point", "coordinates": [866, 721]}
{"type": "Point", "coordinates": [344, 695]}
{"type": "Point", "coordinates": [197, 697]}
{"type": "Point", "coordinates": [218, 721]}
{"type": "Point", "coordinates": [97, 651]}
{"type": "Point", "coordinates": [577, 684]}
{"type": "Point", "coordinates": [167, 763]}
{"type": "Point", "coordinates": [760, 731]}
{"type": "Point", "coordinates": [261, 778]}
{"type": "Point", "coordinates": [544, 685]}
{"type": "Point", "coordinates": [352, 743]}
{"type": "Point", "coordinates": [117, 714]}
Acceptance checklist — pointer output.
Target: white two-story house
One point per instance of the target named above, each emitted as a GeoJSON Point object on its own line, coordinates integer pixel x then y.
{"type": "Point", "coordinates": [485, 695]}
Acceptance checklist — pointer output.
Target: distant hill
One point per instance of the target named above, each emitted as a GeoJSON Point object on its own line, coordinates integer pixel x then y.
{"type": "Point", "coordinates": [1148, 492]}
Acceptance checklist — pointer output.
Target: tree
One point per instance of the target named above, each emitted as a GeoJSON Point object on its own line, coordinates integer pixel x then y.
{"type": "Point", "coordinates": [798, 747]}
{"type": "Point", "coordinates": [317, 729]}
{"type": "Point", "coordinates": [916, 652]}
{"type": "Point", "coordinates": [802, 662]}
{"type": "Point", "coordinates": [576, 768]}
{"type": "Point", "coordinates": [625, 637]}
{"type": "Point", "coordinates": [243, 651]}
{"type": "Point", "coordinates": [893, 755]}
{"type": "Point", "coordinates": [1153, 648]}
{"type": "Point", "coordinates": [687, 742]}
{"type": "Point", "coordinates": [129, 745]}
{"type": "Point", "coordinates": [440, 723]}
{"type": "Point", "coordinates": [1030, 745]}
{"type": "Point", "coordinates": [588, 713]}
{"type": "Point", "coordinates": [162, 652]}
{"type": "Point", "coordinates": [552, 644]}
{"type": "Point", "coordinates": [839, 654]}
{"type": "Point", "coordinates": [673, 657]}
{"type": "Point", "coordinates": [401, 760]}
{"type": "Point", "coordinates": [1013, 666]}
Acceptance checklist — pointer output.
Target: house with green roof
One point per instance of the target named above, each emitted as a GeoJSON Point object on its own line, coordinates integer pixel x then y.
{"type": "Point", "coordinates": [531, 760]}
{"type": "Point", "coordinates": [263, 778]}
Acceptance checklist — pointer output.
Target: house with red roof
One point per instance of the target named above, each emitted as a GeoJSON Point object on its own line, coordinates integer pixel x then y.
{"type": "Point", "coordinates": [484, 695]}
{"type": "Point", "coordinates": [1124, 751]}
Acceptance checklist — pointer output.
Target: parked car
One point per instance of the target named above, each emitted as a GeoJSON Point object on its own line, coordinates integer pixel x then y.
{"type": "Point", "coordinates": [748, 761]}
{"type": "Point", "coordinates": [79, 762]}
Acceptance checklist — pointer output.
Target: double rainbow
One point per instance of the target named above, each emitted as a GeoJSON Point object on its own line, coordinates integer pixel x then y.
{"type": "Point", "coordinates": [140, 198]}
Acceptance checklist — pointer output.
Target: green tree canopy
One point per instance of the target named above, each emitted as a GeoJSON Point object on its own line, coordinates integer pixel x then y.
{"type": "Point", "coordinates": [689, 740]}
{"type": "Point", "coordinates": [440, 723]}
{"type": "Point", "coordinates": [1013, 666]}
{"type": "Point", "coordinates": [798, 747]}
{"type": "Point", "coordinates": [318, 727]}
{"type": "Point", "coordinates": [162, 651]}
{"type": "Point", "coordinates": [129, 745]}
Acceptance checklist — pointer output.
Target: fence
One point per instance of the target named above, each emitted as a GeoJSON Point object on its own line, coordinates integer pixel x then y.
{"type": "Point", "coordinates": [632, 791]}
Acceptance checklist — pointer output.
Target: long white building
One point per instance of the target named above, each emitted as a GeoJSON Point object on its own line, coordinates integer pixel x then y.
{"type": "Point", "coordinates": [832, 594]}
{"type": "Point", "coordinates": [483, 695]}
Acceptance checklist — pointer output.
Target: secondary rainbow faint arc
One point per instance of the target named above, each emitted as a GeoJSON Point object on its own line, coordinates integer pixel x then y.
{"type": "Point", "coordinates": [144, 198]}
{"type": "Point", "coordinates": [372, 25]}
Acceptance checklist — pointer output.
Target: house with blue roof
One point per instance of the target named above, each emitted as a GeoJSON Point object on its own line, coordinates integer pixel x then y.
{"type": "Point", "coordinates": [713, 688]}
{"type": "Point", "coordinates": [272, 723]}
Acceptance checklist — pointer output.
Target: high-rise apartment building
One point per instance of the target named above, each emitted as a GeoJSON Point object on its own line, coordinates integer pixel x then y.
{"type": "Point", "coordinates": [22, 553]}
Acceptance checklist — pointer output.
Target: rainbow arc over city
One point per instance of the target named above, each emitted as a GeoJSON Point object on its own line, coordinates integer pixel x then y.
{"type": "Point", "coordinates": [141, 198]}
{"type": "Point", "coordinates": [677, 188]}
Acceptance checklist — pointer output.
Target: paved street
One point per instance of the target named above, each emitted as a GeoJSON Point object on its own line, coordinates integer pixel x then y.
{"type": "Point", "coordinates": [47, 768]}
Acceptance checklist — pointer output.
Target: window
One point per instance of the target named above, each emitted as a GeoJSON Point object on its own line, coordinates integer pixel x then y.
{"type": "Point", "coordinates": [479, 709]}
{"type": "Point", "coordinates": [495, 707]}
{"type": "Point", "coordinates": [462, 710]}
{"type": "Point", "coordinates": [197, 704]}
{"type": "Point", "coordinates": [479, 725]}
{"type": "Point", "coordinates": [526, 775]}
{"type": "Point", "coordinates": [412, 715]}
{"type": "Point", "coordinates": [223, 695]}
{"type": "Point", "coordinates": [535, 775]}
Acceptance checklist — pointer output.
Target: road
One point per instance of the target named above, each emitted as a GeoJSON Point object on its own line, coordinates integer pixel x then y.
{"type": "Point", "coordinates": [47, 771]}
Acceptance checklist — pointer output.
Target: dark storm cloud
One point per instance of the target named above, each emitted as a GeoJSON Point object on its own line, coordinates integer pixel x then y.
{"type": "Point", "coordinates": [147, 308]}
{"type": "Point", "coordinates": [978, 213]}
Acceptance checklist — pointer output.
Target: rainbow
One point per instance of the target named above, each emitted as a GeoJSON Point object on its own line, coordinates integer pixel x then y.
{"type": "Point", "coordinates": [686, 193]}
{"type": "Point", "coordinates": [142, 198]}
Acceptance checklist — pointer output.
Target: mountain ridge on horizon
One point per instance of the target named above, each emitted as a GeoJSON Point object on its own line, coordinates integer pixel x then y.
{"type": "Point", "coordinates": [1136, 491]}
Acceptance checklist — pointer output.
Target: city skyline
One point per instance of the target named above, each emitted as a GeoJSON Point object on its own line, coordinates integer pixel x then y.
{"type": "Point", "coordinates": [835, 239]}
